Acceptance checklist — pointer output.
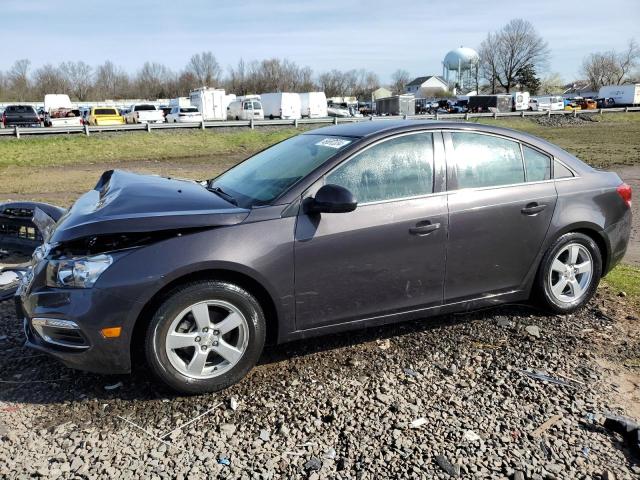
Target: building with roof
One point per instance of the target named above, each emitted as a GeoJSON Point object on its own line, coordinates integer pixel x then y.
{"type": "Point", "coordinates": [427, 83]}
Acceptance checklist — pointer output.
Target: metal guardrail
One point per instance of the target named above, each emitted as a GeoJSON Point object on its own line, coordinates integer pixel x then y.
{"type": "Point", "coordinates": [89, 130]}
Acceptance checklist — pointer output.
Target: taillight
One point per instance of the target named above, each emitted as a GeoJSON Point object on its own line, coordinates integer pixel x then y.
{"type": "Point", "coordinates": [624, 191]}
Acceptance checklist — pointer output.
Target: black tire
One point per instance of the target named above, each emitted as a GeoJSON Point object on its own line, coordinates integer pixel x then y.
{"type": "Point", "coordinates": [542, 289]}
{"type": "Point", "coordinates": [179, 299]}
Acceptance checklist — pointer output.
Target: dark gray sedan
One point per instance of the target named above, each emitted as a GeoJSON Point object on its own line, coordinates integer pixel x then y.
{"type": "Point", "coordinates": [339, 228]}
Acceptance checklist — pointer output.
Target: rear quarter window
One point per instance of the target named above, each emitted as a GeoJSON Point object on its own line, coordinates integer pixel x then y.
{"type": "Point", "coordinates": [560, 171]}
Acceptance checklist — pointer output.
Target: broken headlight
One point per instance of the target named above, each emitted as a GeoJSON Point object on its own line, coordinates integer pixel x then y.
{"type": "Point", "coordinates": [77, 272]}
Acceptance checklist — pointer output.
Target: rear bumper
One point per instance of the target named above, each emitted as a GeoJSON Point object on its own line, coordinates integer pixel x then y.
{"type": "Point", "coordinates": [617, 237]}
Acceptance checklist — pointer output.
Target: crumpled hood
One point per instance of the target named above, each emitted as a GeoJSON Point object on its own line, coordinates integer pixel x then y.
{"type": "Point", "coordinates": [125, 202]}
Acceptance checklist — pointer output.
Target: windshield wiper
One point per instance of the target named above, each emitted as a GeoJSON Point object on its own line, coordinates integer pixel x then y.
{"type": "Point", "coordinates": [220, 192]}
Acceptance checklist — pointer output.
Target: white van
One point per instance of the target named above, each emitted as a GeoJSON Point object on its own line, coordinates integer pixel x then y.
{"type": "Point", "coordinates": [281, 105]}
{"type": "Point", "coordinates": [545, 104]}
{"type": "Point", "coordinates": [210, 102]}
{"type": "Point", "coordinates": [520, 101]}
{"type": "Point", "coordinates": [245, 108]}
{"type": "Point", "coordinates": [313, 105]}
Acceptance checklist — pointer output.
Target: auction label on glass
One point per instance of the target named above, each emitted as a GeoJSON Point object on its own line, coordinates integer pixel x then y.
{"type": "Point", "coordinates": [333, 142]}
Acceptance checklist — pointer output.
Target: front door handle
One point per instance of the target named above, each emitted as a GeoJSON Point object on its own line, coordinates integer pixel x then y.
{"type": "Point", "coordinates": [533, 208]}
{"type": "Point", "coordinates": [424, 228]}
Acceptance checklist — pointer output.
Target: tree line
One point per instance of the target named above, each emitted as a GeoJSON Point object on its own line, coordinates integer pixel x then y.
{"type": "Point", "coordinates": [84, 82]}
{"type": "Point", "coordinates": [511, 57]}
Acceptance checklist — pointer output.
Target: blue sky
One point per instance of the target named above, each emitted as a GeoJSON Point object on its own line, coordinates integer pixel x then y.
{"type": "Point", "coordinates": [344, 34]}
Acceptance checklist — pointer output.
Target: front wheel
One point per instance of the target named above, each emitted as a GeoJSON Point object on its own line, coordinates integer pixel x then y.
{"type": "Point", "coordinates": [569, 273]}
{"type": "Point", "coordinates": [205, 337]}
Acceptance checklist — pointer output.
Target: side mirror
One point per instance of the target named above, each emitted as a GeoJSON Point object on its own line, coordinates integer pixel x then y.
{"type": "Point", "coordinates": [331, 199]}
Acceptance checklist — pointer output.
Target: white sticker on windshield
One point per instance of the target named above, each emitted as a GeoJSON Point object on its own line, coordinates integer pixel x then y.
{"type": "Point", "coordinates": [333, 142]}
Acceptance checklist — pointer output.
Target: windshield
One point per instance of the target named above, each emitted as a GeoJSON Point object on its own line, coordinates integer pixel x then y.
{"type": "Point", "coordinates": [105, 111]}
{"type": "Point", "coordinates": [264, 177]}
{"type": "Point", "coordinates": [188, 110]}
{"type": "Point", "coordinates": [139, 108]}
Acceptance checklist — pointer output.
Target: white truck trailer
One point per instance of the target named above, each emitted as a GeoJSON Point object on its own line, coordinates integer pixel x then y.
{"type": "Point", "coordinates": [211, 103]}
{"type": "Point", "coordinates": [622, 95]}
{"type": "Point", "coordinates": [313, 105]}
{"type": "Point", "coordinates": [281, 105]}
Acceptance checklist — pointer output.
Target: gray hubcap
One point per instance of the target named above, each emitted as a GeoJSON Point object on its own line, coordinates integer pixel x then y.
{"type": "Point", "coordinates": [571, 273]}
{"type": "Point", "coordinates": [207, 339]}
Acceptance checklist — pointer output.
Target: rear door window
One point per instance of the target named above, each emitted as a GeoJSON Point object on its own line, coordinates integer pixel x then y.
{"type": "Point", "coordinates": [401, 167]}
{"type": "Point", "coordinates": [485, 160]}
{"type": "Point", "coordinates": [537, 165]}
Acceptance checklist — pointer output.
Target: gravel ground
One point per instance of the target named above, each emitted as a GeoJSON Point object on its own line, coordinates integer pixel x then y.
{"type": "Point", "coordinates": [434, 399]}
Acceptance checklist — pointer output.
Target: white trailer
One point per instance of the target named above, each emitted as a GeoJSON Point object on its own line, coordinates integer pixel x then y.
{"type": "Point", "coordinates": [313, 105]}
{"type": "Point", "coordinates": [520, 101]}
{"type": "Point", "coordinates": [210, 102]}
{"type": "Point", "coordinates": [281, 105]}
{"type": "Point", "coordinates": [623, 95]}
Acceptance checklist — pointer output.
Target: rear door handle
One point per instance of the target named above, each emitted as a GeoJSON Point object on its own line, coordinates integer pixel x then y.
{"type": "Point", "coordinates": [533, 208]}
{"type": "Point", "coordinates": [424, 228]}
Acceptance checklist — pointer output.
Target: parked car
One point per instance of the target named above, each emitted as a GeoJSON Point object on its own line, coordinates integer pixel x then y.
{"type": "Point", "coordinates": [105, 116]}
{"type": "Point", "coordinates": [546, 103]}
{"type": "Point", "coordinates": [184, 115]}
{"type": "Point", "coordinates": [144, 113]}
{"type": "Point", "coordinates": [338, 110]}
{"type": "Point", "coordinates": [588, 104]}
{"type": "Point", "coordinates": [605, 102]}
{"type": "Point", "coordinates": [336, 229]}
{"type": "Point", "coordinates": [245, 108]}
{"type": "Point", "coordinates": [60, 112]}
{"type": "Point", "coordinates": [21, 116]}
{"type": "Point", "coordinates": [166, 110]}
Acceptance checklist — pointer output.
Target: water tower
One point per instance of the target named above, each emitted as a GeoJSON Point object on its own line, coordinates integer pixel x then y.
{"type": "Point", "coordinates": [459, 69]}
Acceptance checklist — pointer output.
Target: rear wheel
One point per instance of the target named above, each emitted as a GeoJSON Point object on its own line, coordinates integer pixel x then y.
{"type": "Point", "coordinates": [569, 273]}
{"type": "Point", "coordinates": [205, 337]}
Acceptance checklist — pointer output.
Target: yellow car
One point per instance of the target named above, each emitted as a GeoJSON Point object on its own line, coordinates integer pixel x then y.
{"type": "Point", "coordinates": [105, 116]}
{"type": "Point", "coordinates": [572, 106]}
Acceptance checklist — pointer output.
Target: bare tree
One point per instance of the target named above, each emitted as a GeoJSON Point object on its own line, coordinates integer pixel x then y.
{"type": "Point", "coordinates": [399, 80]}
{"type": "Point", "coordinates": [79, 78]}
{"type": "Point", "coordinates": [18, 79]}
{"type": "Point", "coordinates": [611, 68]}
{"type": "Point", "coordinates": [48, 79]}
{"type": "Point", "coordinates": [205, 68]}
{"type": "Point", "coordinates": [111, 82]}
{"type": "Point", "coordinates": [505, 53]}
{"type": "Point", "coordinates": [153, 80]}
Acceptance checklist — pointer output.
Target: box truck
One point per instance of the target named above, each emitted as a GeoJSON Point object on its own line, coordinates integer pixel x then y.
{"type": "Point", "coordinates": [396, 105]}
{"type": "Point", "coordinates": [622, 95]}
{"type": "Point", "coordinates": [210, 102]}
{"type": "Point", "coordinates": [281, 105]}
{"type": "Point", "coordinates": [520, 101]}
{"type": "Point", "coordinates": [313, 105]}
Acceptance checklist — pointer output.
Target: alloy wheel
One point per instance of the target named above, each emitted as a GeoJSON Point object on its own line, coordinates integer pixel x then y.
{"type": "Point", "coordinates": [571, 273]}
{"type": "Point", "coordinates": [207, 339]}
